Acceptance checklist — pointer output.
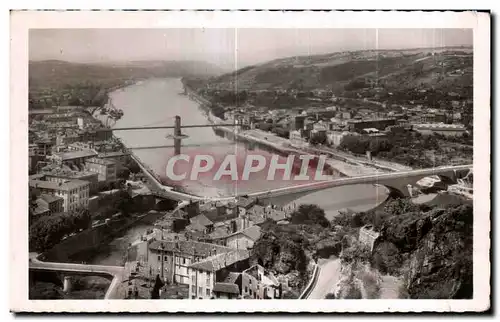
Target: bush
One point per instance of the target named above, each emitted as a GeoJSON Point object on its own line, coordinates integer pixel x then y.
{"type": "Point", "coordinates": [356, 253]}
{"type": "Point", "coordinates": [309, 215]}
{"type": "Point", "coordinates": [330, 296]}
{"type": "Point", "coordinates": [353, 293]}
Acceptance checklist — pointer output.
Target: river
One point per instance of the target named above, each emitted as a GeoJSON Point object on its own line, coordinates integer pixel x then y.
{"type": "Point", "coordinates": [156, 102]}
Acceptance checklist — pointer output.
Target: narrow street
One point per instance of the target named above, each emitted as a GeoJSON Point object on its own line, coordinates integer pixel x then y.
{"type": "Point", "coordinates": [329, 275]}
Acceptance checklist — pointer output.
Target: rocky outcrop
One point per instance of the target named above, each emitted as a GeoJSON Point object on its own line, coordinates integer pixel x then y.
{"type": "Point", "coordinates": [441, 266]}
{"type": "Point", "coordinates": [432, 250]}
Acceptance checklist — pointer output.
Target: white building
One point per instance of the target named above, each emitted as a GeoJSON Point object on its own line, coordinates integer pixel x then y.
{"type": "Point", "coordinates": [440, 128]}
{"type": "Point", "coordinates": [296, 138]}
{"type": "Point", "coordinates": [335, 138]}
{"type": "Point", "coordinates": [204, 274]}
{"type": "Point", "coordinates": [106, 169]}
{"type": "Point", "coordinates": [75, 193]}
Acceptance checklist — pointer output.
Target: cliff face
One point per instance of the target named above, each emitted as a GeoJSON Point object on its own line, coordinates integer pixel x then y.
{"type": "Point", "coordinates": [441, 266]}
{"type": "Point", "coordinates": [433, 250]}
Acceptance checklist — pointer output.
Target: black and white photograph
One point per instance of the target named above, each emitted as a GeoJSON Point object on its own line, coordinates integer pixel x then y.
{"type": "Point", "coordinates": [196, 163]}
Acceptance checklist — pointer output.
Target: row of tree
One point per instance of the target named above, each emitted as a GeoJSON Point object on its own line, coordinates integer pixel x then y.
{"type": "Point", "coordinates": [50, 230]}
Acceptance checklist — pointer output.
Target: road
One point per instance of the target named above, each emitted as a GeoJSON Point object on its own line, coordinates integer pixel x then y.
{"type": "Point", "coordinates": [329, 275]}
{"type": "Point", "coordinates": [117, 272]}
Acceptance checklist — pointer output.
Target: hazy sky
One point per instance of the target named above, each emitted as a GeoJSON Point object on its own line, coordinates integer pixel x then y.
{"type": "Point", "coordinates": [226, 47]}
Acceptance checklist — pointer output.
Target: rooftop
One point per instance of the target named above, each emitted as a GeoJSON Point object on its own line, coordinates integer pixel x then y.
{"type": "Point", "coordinates": [112, 154]}
{"type": "Point", "coordinates": [201, 220]}
{"type": "Point", "coordinates": [76, 154]}
{"type": "Point", "coordinates": [227, 288]}
{"type": "Point", "coordinates": [189, 247]}
{"type": "Point", "coordinates": [49, 198]}
{"type": "Point", "coordinates": [440, 126]}
{"type": "Point", "coordinates": [371, 120]}
{"type": "Point", "coordinates": [65, 186]}
{"type": "Point", "coordinates": [219, 261]}
{"type": "Point", "coordinates": [100, 161]}
{"type": "Point", "coordinates": [245, 202]}
{"type": "Point", "coordinates": [69, 173]}
{"type": "Point", "coordinates": [276, 215]}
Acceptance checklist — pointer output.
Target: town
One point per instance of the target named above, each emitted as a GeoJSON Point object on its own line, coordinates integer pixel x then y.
{"type": "Point", "coordinates": [87, 190]}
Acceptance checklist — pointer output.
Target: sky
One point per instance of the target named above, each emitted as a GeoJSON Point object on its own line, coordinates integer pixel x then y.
{"type": "Point", "coordinates": [227, 48]}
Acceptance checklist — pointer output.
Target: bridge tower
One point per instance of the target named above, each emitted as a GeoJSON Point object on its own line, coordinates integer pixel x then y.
{"type": "Point", "coordinates": [177, 136]}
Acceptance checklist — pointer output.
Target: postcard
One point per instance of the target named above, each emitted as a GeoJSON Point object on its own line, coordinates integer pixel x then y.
{"type": "Point", "coordinates": [206, 161]}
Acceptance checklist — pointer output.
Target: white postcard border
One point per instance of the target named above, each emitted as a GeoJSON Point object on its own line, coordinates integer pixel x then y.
{"type": "Point", "coordinates": [21, 22]}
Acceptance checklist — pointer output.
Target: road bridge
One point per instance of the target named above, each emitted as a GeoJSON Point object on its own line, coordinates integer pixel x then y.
{"type": "Point", "coordinates": [116, 273]}
{"type": "Point", "coordinates": [396, 182]}
{"type": "Point", "coordinates": [137, 128]}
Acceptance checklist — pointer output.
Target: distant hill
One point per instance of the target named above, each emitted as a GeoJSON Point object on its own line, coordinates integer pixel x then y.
{"type": "Point", "coordinates": [58, 73]}
{"type": "Point", "coordinates": [421, 67]}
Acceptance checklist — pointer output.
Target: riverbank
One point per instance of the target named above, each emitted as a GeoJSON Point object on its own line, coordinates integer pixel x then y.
{"type": "Point", "coordinates": [343, 165]}
{"type": "Point", "coordinates": [81, 246]}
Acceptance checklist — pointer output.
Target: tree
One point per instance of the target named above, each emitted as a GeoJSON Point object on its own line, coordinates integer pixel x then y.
{"type": "Point", "coordinates": [317, 138]}
{"type": "Point", "coordinates": [330, 296]}
{"type": "Point", "coordinates": [155, 292]}
{"type": "Point", "coordinates": [309, 215]}
{"type": "Point", "coordinates": [46, 233]}
{"type": "Point", "coordinates": [123, 173]}
{"type": "Point", "coordinates": [355, 144]}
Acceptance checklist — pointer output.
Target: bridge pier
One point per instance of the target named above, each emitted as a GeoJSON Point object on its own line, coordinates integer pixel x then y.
{"type": "Point", "coordinates": [67, 284]}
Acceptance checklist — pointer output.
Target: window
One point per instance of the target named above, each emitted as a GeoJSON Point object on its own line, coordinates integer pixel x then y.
{"type": "Point", "coordinates": [246, 289]}
{"type": "Point", "coordinates": [159, 257]}
{"type": "Point", "coordinates": [208, 292]}
{"type": "Point", "coordinates": [250, 292]}
{"type": "Point", "coordinates": [250, 281]}
{"type": "Point", "coordinates": [165, 258]}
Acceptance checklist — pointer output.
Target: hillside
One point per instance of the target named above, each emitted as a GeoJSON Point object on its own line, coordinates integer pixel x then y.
{"type": "Point", "coordinates": [433, 67]}
{"type": "Point", "coordinates": [56, 73]}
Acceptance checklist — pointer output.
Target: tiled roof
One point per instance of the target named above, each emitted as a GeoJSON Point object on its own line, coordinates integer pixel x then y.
{"type": "Point", "coordinates": [256, 214]}
{"type": "Point", "coordinates": [201, 220]}
{"type": "Point", "coordinates": [219, 261]}
{"type": "Point", "coordinates": [231, 278]}
{"type": "Point", "coordinates": [195, 227]}
{"type": "Point", "coordinates": [245, 202]}
{"type": "Point", "coordinates": [252, 232]}
{"type": "Point", "coordinates": [40, 207]}
{"type": "Point", "coordinates": [276, 215]}
{"type": "Point", "coordinates": [50, 198]}
{"type": "Point", "coordinates": [226, 288]}
{"type": "Point", "coordinates": [219, 232]}
{"type": "Point", "coordinates": [189, 247]}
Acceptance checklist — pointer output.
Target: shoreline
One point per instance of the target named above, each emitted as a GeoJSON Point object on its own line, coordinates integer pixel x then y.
{"type": "Point", "coordinates": [338, 164]}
